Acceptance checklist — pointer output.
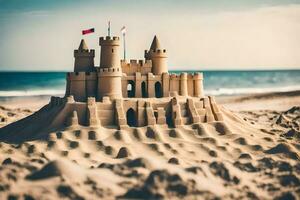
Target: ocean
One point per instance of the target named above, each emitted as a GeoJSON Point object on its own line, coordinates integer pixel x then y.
{"type": "Point", "coordinates": [18, 84]}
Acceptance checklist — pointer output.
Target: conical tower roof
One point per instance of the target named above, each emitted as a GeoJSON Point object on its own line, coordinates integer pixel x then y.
{"type": "Point", "coordinates": [83, 45]}
{"type": "Point", "coordinates": [155, 44]}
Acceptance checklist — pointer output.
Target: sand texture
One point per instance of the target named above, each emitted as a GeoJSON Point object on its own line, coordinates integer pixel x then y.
{"type": "Point", "coordinates": [250, 155]}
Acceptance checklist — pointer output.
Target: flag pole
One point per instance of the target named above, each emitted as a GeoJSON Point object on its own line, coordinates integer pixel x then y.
{"type": "Point", "coordinates": [108, 30]}
{"type": "Point", "coordinates": [124, 46]}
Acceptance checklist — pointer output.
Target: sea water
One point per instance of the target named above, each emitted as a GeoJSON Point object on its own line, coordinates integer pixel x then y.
{"type": "Point", "coordinates": [18, 84]}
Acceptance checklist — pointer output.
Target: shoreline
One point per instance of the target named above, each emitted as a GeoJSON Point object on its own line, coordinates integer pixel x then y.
{"type": "Point", "coordinates": [278, 101]}
{"type": "Point", "coordinates": [246, 102]}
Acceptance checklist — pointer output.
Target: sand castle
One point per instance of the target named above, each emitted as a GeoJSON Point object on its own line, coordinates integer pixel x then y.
{"type": "Point", "coordinates": [120, 95]}
{"type": "Point", "coordinates": [138, 93]}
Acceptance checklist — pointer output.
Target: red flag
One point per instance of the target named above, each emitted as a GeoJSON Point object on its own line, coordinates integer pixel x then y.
{"type": "Point", "coordinates": [87, 31]}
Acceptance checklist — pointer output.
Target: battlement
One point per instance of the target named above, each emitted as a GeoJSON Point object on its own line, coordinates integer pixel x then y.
{"type": "Point", "coordinates": [155, 53]}
{"type": "Point", "coordinates": [76, 75]}
{"type": "Point", "coordinates": [184, 76]}
{"type": "Point", "coordinates": [109, 71]}
{"type": "Point", "coordinates": [198, 75]}
{"type": "Point", "coordinates": [174, 76]}
{"type": "Point", "coordinates": [81, 76]}
{"type": "Point", "coordinates": [157, 50]}
{"type": "Point", "coordinates": [84, 53]}
{"type": "Point", "coordinates": [134, 62]}
{"type": "Point", "coordinates": [109, 41]}
{"type": "Point", "coordinates": [142, 66]}
{"type": "Point", "coordinates": [90, 75]}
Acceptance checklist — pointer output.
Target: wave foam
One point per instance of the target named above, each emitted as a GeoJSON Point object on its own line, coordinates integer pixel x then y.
{"type": "Point", "coordinates": [214, 92]}
{"type": "Point", "coordinates": [236, 91]}
{"type": "Point", "coordinates": [26, 93]}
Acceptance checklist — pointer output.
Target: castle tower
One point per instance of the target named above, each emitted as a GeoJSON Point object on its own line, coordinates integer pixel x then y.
{"type": "Point", "coordinates": [84, 58]}
{"type": "Point", "coordinates": [158, 57]}
{"type": "Point", "coordinates": [110, 72]}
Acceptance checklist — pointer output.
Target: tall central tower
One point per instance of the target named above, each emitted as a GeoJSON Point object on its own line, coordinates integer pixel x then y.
{"type": "Point", "coordinates": [110, 72]}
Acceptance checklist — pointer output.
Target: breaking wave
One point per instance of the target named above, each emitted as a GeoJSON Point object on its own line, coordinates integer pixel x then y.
{"type": "Point", "coordinates": [237, 91]}
{"type": "Point", "coordinates": [32, 93]}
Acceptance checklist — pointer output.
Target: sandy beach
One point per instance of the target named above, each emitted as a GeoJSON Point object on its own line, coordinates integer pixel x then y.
{"type": "Point", "coordinates": [149, 100]}
{"type": "Point", "coordinates": [254, 156]}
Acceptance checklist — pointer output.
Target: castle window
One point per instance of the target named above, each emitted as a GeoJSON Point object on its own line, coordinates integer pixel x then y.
{"type": "Point", "coordinates": [144, 90]}
{"type": "Point", "coordinates": [158, 90]}
{"type": "Point", "coordinates": [112, 50]}
{"type": "Point", "coordinates": [131, 88]}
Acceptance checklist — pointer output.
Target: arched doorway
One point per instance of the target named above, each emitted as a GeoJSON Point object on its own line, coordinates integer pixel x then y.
{"type": "Point", "coordinates": [158, 90]}
{"type": "Point", "coordinates": [131, 88]}
{"type": "Point", "coordinates": [144, 90]}
{"type": "Point", "coordinates": [130, 117]}
{"type": "Point", "coordinates": [169, 118]}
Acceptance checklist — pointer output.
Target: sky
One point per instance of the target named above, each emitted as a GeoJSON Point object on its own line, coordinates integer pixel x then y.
{"type": "Point", "coordinates": [40, 35]}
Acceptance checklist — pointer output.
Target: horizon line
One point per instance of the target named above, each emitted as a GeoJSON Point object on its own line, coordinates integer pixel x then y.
{"type": "Point", "coordinates": [175, 70]}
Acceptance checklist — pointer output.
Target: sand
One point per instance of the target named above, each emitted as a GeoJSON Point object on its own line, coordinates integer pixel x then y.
{"type": "Point", "coordinates": [253, 154]}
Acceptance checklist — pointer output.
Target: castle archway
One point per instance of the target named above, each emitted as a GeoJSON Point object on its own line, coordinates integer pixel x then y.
{"type": "Point", "coordinates": [158, 90]}
{"type": "Point", "coordinates": [144, 90]}
{"type": "Point", "coordinates": [130, 117]}
{"type": "Point", "coordinates": [131, 88]}
{"type": "Point", "coordinates": [169, 118]}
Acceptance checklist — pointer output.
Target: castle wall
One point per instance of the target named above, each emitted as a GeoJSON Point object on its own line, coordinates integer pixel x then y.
{"type": "Point", "coordinates": [152, 81]}
{"type": "Point", "coordinates": [87, 84]}
{"type": "Point", "coordinates": [144, 67]}
{"type": "Point", "coordinates": [166, 84]}
{"type": "Point", "coordinates": [174, 84]}
{"type": "Point", "coordinates": [149, 80]}
{"type": "Point", "coordinates": [186, 84]}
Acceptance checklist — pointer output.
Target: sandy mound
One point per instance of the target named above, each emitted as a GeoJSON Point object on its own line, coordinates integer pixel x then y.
{"type": "Point", "coordinates": [57, 168]}
{"type": "Point", "coordinates": [8, 115]}
{"type": "Point", "coordinates": [251, 156]}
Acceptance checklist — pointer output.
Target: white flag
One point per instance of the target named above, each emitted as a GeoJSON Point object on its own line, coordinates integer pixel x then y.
{"type": "Point", "coordinates": [123, 30]}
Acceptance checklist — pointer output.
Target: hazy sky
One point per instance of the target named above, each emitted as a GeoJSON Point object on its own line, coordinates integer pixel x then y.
{"type": "Point", "coordinates": [208, 34]}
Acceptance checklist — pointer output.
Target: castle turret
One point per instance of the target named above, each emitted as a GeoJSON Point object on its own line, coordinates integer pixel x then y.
{"type": "Point", "coordinates": [110, 72]}
{"type": "Point", "coordinates": [84, 58]}
{"type": "Point", "coordinates": [158, 56]}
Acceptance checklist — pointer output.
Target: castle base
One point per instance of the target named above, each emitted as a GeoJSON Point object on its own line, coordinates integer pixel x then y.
{"type": "Point", "coordinates": [125, 113]}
